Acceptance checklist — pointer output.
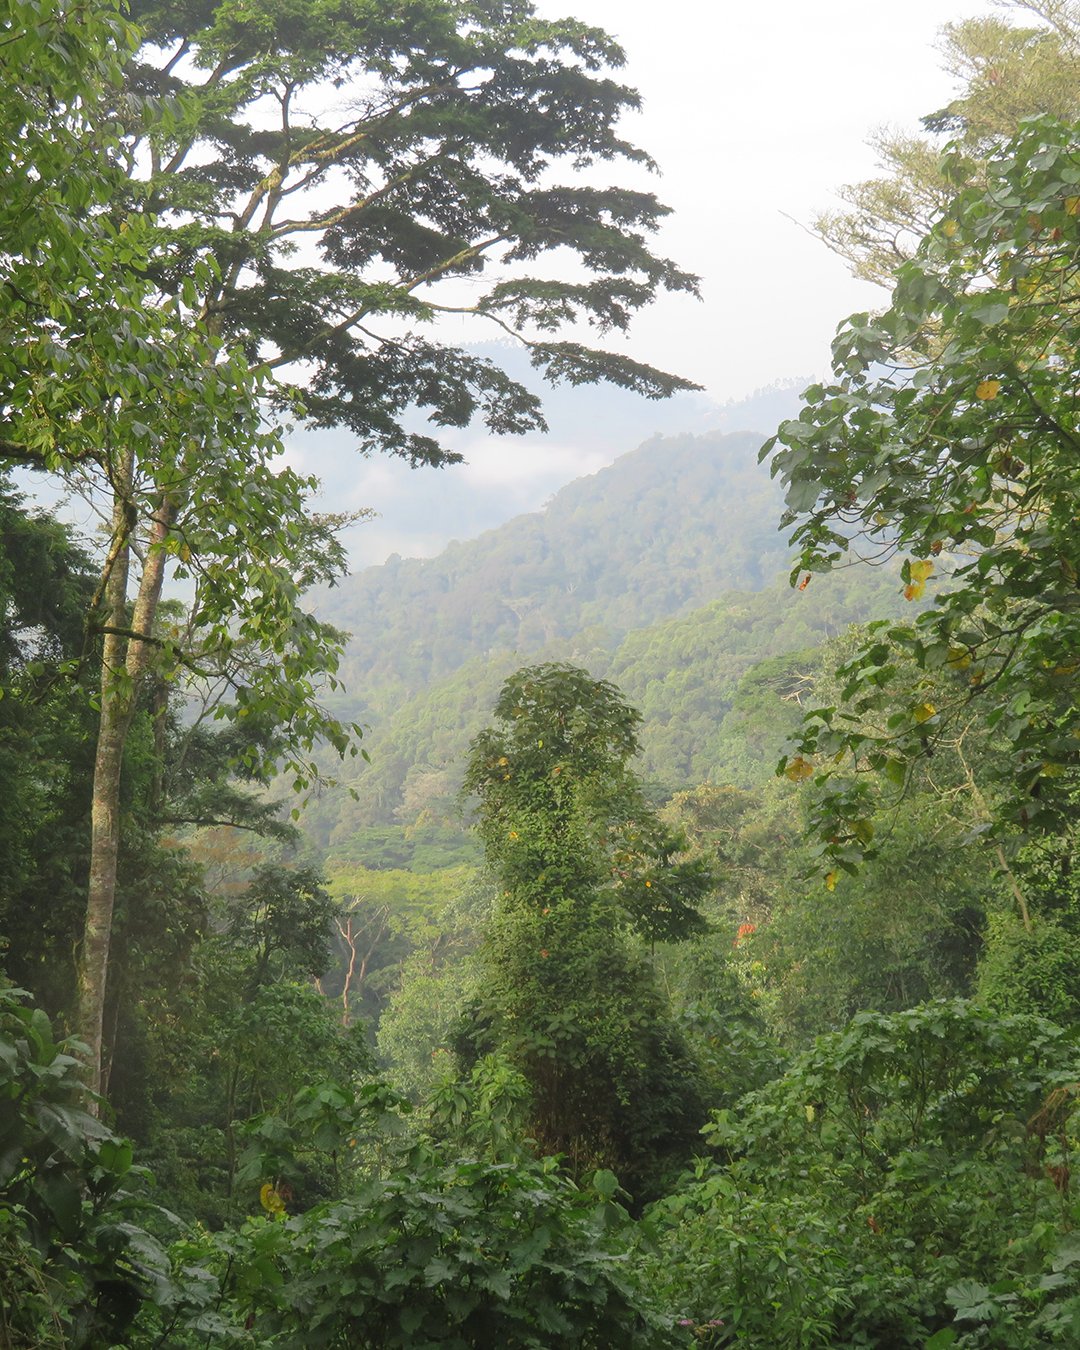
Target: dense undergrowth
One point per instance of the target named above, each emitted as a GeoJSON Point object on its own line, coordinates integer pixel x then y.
{"type": "Point", "coordinates": [905, 1183]}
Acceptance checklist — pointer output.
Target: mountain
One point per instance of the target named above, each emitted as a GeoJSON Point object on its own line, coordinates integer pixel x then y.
{"type": "Point", "coordinates": [666, 528]}
{"type": "Point", "coordinates": [699, 679]}
{"type": "Point", "coordinates": [664, 572]}
{"type": "Point", "coordinates": [419, 511]}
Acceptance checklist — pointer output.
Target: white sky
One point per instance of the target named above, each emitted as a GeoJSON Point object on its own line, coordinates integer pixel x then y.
{"type": "Point", "coordinates": [755, 112]}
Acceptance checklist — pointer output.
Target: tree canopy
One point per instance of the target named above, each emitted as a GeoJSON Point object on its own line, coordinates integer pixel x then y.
{"type": "Point", "coordinates": [357, 170]}
{"type": "Point", "coordinates": [1008, 71]}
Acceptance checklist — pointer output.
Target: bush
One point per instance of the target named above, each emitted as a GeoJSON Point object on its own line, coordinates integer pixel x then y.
{"type": "Point", "coordinates": [898, 1167]}
{"type": "Point", "coordinates": [493, 1249]}
{"type": "Point", "coordinates": [453, 1254]}
{"type": "Point", "coordinates": [76, 1262]}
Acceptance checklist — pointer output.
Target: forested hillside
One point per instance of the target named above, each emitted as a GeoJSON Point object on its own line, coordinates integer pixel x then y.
{"type": "Point", "coordinates": [683, 673]}
{"type": "Point", "coordinates": [666, 528]}
{"type": "Point", "coordinates": [665, 572]}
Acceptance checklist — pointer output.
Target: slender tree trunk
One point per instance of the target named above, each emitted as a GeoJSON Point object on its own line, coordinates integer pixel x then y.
{"type": "Point", "coordinates": [345, 929]}
{"type": "Point", "coordinates": [125, 655]}
{"type": "Point", "coordinates": [104, 817]}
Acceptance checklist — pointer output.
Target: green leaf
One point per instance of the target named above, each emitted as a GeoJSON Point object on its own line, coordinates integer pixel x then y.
{"type": "Point", "coordinates": [62, 1196]}
{"type": "Point", "coordinates": [990, 312]}
{"type": "Point", "coordinates": [115, 1155]}
{"type": "Point", "coordinates": [972, 1301]}
{"type": "Point", "coordinates": [606, 1184]}
{"type": "Point", "coordinates": [1066, 1253]}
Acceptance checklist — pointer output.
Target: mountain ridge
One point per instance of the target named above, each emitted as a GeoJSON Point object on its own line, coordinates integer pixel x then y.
{"type": "Point", "coordinates": [664, 571]}
{"type": "Point", "coordinates": [665, 528]}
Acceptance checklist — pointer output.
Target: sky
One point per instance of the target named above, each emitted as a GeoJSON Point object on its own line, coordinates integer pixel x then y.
{"type": "Point", "coordinates": [755, 113]}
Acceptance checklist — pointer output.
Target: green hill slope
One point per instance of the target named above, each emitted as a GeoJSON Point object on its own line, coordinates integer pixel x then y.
{"type": "Point", "coordinates": [692, 676]}
{"type": "Point", "coordinates": [665, 572]}
{"type": "Point", "coordinates": [664, 529]}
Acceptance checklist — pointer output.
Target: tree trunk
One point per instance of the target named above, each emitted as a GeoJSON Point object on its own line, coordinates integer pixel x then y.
{"type": "Point", "coordinates": [125, 655]}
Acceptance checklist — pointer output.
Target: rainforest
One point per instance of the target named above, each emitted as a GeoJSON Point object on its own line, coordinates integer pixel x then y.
{"type": "Point", "coordinates": [640, 909]}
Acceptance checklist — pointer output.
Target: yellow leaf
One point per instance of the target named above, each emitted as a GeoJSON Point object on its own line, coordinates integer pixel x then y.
{"type": "Point", "coordinates": [830, 882]}
{"type": "Point", "coordinates": [923, 712]}
{"type": "Point", "coordinates": [949, 229]}
{"type": "Point", "coordinates": [959, 658]}
{"type": "Point", "coordinates": [915, 590]}
{"type": "Point", "coordinates": [270, 1200]}
{"type": "Point", "coordinates": [799, 769]}
{"type": "Point", "coordinates": [987, 389]}
{"type": "Point", "coordinates": [920, 570]}
{"type": "Point", "coordinates": [1072, 206]}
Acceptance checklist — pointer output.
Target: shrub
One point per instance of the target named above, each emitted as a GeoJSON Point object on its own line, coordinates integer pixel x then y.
{"type": "Point", "coordinates": [76, 1261]}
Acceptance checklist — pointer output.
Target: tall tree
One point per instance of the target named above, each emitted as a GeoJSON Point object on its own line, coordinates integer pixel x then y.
{"type": "Point", "coordinates": [105, 385]}
{"type": "Point", "coordinates": [359, 169]}
{"type": "Point", "coordinates": [441, 125]}
{"type": "Point", "coordinates": [1006, 72]}
{"type": "Point", "coordinates": [581, 862]}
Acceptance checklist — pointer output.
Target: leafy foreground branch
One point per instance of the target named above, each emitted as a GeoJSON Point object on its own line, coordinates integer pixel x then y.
{"type": "Point", "coordinates": [949, 437]}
